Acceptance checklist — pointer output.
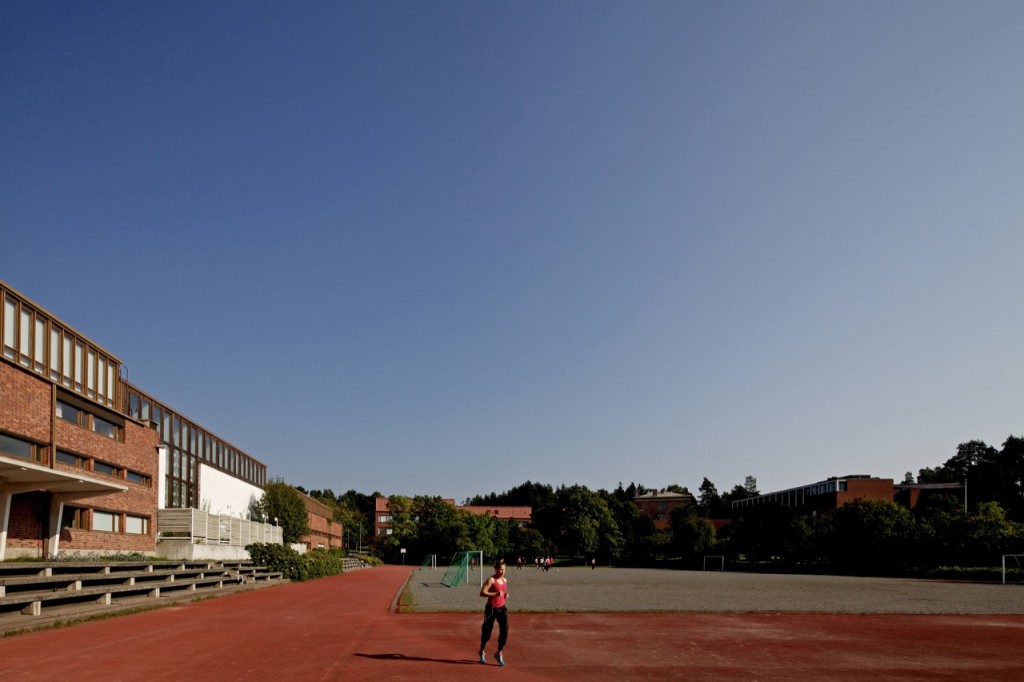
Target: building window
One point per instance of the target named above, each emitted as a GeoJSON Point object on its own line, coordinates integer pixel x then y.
{"type": "Point", "coordinates": [105, 428]}
{"type": "Point", "coordinates": [76, 415]}
{"type": "Point", "coordinates": [136, 477]}
{"type": "Point", "coordinates": [16, 447]}
{"type": "Point", "coordinates": [10, 327]}
{"type": "Point", "coordinates": [106, 469]}
{"type": "Point", "coordinates": [106, 522]}
{"type": "Point", "coordinates": [73, 517]}
{"type": "Point", "coordinates": [136, 525]}
{"type": "Point", "coordinates": [72, 460]}
{"type": "Point", "coordinates": [69, 413]}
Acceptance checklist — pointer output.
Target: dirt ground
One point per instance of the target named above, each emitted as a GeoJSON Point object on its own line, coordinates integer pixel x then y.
{"type": "Point", "coordinates": [347, 628]}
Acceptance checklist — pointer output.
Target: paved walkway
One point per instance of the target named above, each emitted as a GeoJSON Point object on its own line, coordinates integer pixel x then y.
{"type": "Point", "coordinates": [344, 628]}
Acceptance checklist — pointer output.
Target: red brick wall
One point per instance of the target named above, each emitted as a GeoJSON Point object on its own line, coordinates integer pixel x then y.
{"type": "Point", "coordinates": [24, 404]}
{"type": "Point", "coordinates": [866, 489]}
{"type": "Point", "coordinates": [138, 453]}
{"type": "Point", "coordinates": [323, 531]}
{"type": "Point", "coordinates": [26, 411]}
{"type": "Point", "coordinates": [29, 513]}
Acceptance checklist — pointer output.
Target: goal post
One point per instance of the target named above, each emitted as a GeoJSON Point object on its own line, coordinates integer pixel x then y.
{"type": "Point", "coordinates": [1013, 568]}
{"type": "Point", "coordinates": [429, 562]}
{"type": "Point", "coordinates": [461, 570]}
{"type": "Point", "coordinates": [717, 562]}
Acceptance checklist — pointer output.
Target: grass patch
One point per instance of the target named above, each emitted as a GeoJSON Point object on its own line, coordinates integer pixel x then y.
{"type": "Point", "coordinates": [406, 604]}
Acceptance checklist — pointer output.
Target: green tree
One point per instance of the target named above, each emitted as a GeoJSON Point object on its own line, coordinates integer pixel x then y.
{"type": "Point", "coordinates": [987, 535]}
{"type": "Point", "coordinates": [403, 531]}
{"type": "Point", "coordinates": [1010, 488]}
{"type": "Point", "coordinates": [480, 535]}
{"type": "Point", "coordinates": [282, 505]}
{"type": "Point", "coordinates": [872, 536]}
{"type": "Point", "coordinates": [692, 533]}
{"type": "Point", "coordinates": [440, 528]}
{"type": "Point", "coordinates": [768, 532]}
{"type": "Point", "coordinates": [528, 543]}
{"type": "Point", "coordinates": [529, 494]}
{"type": "Point", "coordinates": [634, 526]}
{"type": "Point", "coordinates": [587, 527]}
{"type": "Point", "coordinates": [710, 503]}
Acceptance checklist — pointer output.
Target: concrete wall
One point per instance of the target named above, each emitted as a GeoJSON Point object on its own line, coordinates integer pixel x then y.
{"type": "Point", "coordinates": [186, 551]}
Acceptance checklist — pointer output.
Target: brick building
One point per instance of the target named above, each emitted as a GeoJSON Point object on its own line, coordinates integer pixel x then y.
{"type": "Point", "coordinates": [826, 495]}
{"type": "Point", "coordinates": [658, 506]}
{"type": "Point", "coordinates": [520, 515]}
{"type": "Point", "coordinates": [325, 532]}
{"type": "Point", "coordinates": [86, 459]}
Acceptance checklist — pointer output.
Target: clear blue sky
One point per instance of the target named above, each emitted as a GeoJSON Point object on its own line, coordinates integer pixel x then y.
{"type": "Point", "coordinates": [444, 248]}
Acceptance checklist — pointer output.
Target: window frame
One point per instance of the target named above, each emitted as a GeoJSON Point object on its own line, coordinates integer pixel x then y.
{"type": "Point", "coordinates": [35, 452]}
{"type": "Point", "coordinates": [115, 521]}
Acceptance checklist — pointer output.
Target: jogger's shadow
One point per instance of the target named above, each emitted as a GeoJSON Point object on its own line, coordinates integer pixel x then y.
{"type": "Point", "coordinates": [419, 659]}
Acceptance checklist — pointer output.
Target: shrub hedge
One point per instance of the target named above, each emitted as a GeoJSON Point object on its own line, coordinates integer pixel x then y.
{"type": "Point", "coordinates": [318, 563]}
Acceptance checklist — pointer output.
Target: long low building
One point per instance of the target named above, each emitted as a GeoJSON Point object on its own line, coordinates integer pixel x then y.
{"type": "Point", "coordinates": [833, 493]}
{"type": "Point", "coordinates": [521, 516]}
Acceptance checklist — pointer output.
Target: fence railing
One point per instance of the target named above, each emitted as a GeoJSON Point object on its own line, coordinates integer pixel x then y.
{"type": "Point", "coordinates": [198, 527]}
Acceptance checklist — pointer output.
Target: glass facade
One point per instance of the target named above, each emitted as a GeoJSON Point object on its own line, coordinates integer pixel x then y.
{"type": "Point", "coordinates": [189, 445]}
{"type": "Point", "coordinates": [41, 344]}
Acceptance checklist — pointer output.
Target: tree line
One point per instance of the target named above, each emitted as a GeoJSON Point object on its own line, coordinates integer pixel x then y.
{"type": "Point", "coordinates": [865, 536]}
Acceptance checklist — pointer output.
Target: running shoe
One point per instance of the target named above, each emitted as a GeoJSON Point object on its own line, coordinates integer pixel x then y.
{"type": "Point", "coordinates": [501, 661]}
{"type": "Point", "coordinates": [483, 657]}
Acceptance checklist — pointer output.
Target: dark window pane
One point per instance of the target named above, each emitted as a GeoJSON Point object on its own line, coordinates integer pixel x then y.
{"type": "Point", "coordinates": [16, 447]}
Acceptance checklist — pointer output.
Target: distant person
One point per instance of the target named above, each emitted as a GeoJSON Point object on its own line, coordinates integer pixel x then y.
{"type": "Point", "coordinates": [593, 563]}
{"type": "Point", "coordinates": [519, 563]}
{"type": "Point", "coordinates": [547, 563]}
{"type": "Point", "coordinates": [496, 591]}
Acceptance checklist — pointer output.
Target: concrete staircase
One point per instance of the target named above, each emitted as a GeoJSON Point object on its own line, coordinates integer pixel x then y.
{"type": "Point", "coordinates": [34, 594]}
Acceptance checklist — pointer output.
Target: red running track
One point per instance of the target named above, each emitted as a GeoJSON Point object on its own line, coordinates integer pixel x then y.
{"type": "Point", "coordinates": [343, 628]}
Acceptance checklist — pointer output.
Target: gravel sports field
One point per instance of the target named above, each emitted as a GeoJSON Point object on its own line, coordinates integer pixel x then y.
{"type": "Point", "coordinates": [609, 590]}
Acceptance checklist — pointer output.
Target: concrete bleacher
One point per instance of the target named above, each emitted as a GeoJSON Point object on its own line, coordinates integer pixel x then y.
{"type": "Point", "coordinates": [36, 593]}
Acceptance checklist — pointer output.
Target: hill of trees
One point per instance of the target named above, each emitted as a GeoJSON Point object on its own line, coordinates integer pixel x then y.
{"type": "Point", "coordinates": [865, 536]}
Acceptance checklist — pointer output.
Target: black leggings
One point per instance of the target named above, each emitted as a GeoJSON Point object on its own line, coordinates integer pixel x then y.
{"type": "Point", "coordinates": [490, 615]}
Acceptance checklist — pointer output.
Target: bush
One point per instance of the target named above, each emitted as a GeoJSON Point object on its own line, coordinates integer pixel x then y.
{"type": "Point", "coordinates": [369, 559]}
{"type": "Point", "coordinates": [294, 566]}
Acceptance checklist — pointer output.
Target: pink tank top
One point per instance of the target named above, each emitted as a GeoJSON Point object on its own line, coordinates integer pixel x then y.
{"type": "Point", "coordinates": [502, 586]}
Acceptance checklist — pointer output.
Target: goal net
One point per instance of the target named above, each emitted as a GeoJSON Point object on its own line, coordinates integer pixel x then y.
{"type": "Point", "coordinates": [460, 570]}
{"type": "Point", "coordinates": [430, 562]}
{"type": "Point", "coordinates": [1013, 569]}
{"type": "Point", "coordinates": [714, 563]}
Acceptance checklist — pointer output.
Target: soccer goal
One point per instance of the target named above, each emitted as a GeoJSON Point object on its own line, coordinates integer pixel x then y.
{"type": "Point", "coordinates": [1013, 569]}
{"type": "Point", "coordinates": [430, 562]}
{"type": "Point", "coordinates": [460, 571]}
{"type": "Point", "coordinates": [717, 562]}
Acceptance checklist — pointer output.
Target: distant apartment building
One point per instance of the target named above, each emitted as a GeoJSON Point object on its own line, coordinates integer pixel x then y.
{"type": "Point", "coordinates": [324, 531]}
{"type": "Point", "coordinates": [519, 515]}
{"type": "Point", "coordinates": [658, 506]}
{"type": "Point", "coordinates": [87, 459]}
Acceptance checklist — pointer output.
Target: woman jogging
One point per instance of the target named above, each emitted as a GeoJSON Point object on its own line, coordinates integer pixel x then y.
{"type": "Point", "coordinates": [496, 591]}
